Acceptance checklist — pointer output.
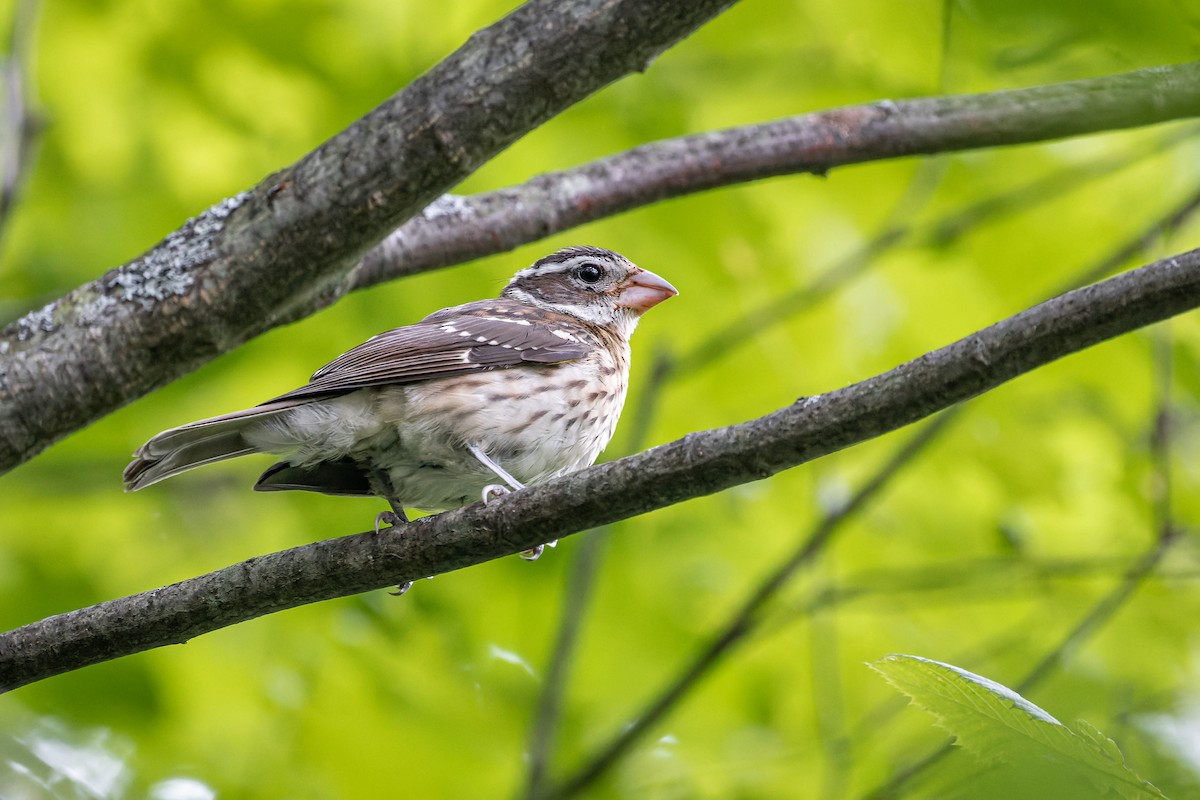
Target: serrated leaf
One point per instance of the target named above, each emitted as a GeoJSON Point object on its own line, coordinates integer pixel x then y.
{"type": "Point", "coordinates": [1101, 742]}
{"type": "Point", "coordinates": [997, 724]}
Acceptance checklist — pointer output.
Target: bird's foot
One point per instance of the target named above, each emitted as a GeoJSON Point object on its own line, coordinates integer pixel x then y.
{"type": "Point", "coordinates": [494, 490]}
{"type": "Point", "coordinates": [394, 518]}
{"type": "Point", "coordinates": [388, 519]}
{"type": "Point", "coordinates": [536, 553]}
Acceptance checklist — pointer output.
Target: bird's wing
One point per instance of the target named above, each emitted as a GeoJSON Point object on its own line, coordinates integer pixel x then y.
{"type": "Point", "coordinates": [486, 335]}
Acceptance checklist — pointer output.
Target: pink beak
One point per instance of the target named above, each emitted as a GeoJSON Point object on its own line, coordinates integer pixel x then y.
{"type": "Point", "coordinates": [643, 290]}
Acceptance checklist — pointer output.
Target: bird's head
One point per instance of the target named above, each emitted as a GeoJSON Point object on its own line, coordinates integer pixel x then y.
{"type": "Point", "coordinates": [591, 284]}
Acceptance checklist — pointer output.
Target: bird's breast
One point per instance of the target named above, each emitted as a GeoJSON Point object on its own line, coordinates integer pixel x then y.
{"type": "Point", "coordinates": [536, 421]}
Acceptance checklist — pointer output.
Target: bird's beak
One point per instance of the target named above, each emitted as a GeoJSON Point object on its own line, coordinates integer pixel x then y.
{"type": "Point", "coordinates": [643, 290]}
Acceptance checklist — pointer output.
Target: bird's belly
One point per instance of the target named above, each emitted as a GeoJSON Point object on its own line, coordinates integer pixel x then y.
{"type": "Point", "coordinates": [534, 424]}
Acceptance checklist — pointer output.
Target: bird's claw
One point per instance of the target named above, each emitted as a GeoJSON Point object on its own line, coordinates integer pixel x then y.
{"type": "Point", "coordinates": [401, 589]}
{"type": "Point", "coordinates": [493, 490]}
{"type": "Point", "coordinates": [536, 553]}
{"type": "Point", "coordinates": [389, 518]}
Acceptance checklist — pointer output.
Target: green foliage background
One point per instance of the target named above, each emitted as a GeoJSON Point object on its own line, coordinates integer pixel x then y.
{"type": "Point", "coordinates": [986, 552]}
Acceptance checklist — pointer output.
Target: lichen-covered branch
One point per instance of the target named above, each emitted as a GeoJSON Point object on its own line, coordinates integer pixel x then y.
{"type": "Point", "coordinates": [699, 464]}
{"type": "Point", "coordinates": [244, 265]}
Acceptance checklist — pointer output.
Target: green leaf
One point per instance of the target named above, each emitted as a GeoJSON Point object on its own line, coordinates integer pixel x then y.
{"type": "Point", "coordinates": [998, 725]}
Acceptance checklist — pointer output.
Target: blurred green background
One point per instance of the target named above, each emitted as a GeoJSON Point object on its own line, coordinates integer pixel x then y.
{"type": "Point", "coordinates": [988, 551]}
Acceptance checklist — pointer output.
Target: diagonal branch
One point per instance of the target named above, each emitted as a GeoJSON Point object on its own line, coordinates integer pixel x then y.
{"type": "Point", "coordinates": [699, 464]}
{"type": "Point", "coordinates": [246, 264]}
{"type": "Point", "coordinates": [460, 228]}
{"type": "Point", "coordinates": [746, 619]}
{"type": "Point", "coordinates": [1167, 535]}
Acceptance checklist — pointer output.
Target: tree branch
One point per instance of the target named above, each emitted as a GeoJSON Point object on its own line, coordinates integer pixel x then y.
{"type": "Point", "coordinates": [699, 464]}
{"type": "Point", "coordinates": [458, 228]}
{"type": "Point", "coordinates": [249, 262]}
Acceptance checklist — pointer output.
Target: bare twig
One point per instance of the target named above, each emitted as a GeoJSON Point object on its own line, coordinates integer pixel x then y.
{"type": "Point", "coordinates": [919, 190]}
{"type": "Point", "coordinates": [584, 568]}
{"type": "Point", "coordinates": [1107, 607]}
{"type": "Point", "coordinates": [1088, 625]}
{"type": "Point", "coordinates": [746, 618]}
{"type": "Point", "coordinates": [1137, 245]}
{"type": "Point", "coordinates": [698, 464]}
{"type": "Point", "coordinates": [460, 228]}
{"type": "Point", "coordinates": [1165, 536]}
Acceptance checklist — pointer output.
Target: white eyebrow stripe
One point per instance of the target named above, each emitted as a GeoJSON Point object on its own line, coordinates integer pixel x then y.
{"type": "Point", "coordinates": [557, 266]}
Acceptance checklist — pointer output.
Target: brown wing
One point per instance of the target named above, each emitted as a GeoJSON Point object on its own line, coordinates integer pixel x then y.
{"type": "Point", "coordinates": [491, 334]}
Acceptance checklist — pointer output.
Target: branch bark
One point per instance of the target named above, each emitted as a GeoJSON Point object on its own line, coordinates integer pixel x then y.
{"type": "Point", "coordinates": [699, 464]}
{"type": "Point", "coordinates": [248, 263]}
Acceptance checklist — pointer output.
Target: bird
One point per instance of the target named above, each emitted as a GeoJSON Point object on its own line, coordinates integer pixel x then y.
{"type": "Point", "coordinates": [473, 401]}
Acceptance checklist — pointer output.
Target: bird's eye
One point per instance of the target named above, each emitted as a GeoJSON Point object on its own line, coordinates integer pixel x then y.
{"type": "Point", "coordinates": [589, 272]}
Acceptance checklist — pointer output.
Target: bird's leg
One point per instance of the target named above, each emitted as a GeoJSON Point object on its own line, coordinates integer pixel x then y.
{"type": "Point", "coordinates": [501, 473]}
{"type": "Point", "coordinates": [382, 485]}
{"type": "Point", "coordinates": [496, 490]}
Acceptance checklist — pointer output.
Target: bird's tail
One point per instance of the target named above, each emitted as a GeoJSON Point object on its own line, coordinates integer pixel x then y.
{"type": "Point", "coordinates": [196, 444]}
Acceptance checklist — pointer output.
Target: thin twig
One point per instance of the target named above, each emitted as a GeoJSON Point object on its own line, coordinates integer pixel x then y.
{"type": "Point", "coordinates": [1137, 244]}
{"type": "Point", "coordinates": [460, 228]}
{"type": "Point", "coordinates": [1097, 617]}
{"type": "Point", "coordinates": [1166, 534]}
{"type": "Point", "coordinates": [746, 618]}
{"type": "Point", "coordinates": [588, 559]}
{"type": "Point", "coordinates": [582, 577]}
{"type": "Point", "coordinates": [1108, 606]}
{"type": "Point", "coordinates": [828, 704]}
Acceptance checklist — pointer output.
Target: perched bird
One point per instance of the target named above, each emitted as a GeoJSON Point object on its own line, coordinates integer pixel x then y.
{"type": "Point", "coordinates": [471, 401]}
